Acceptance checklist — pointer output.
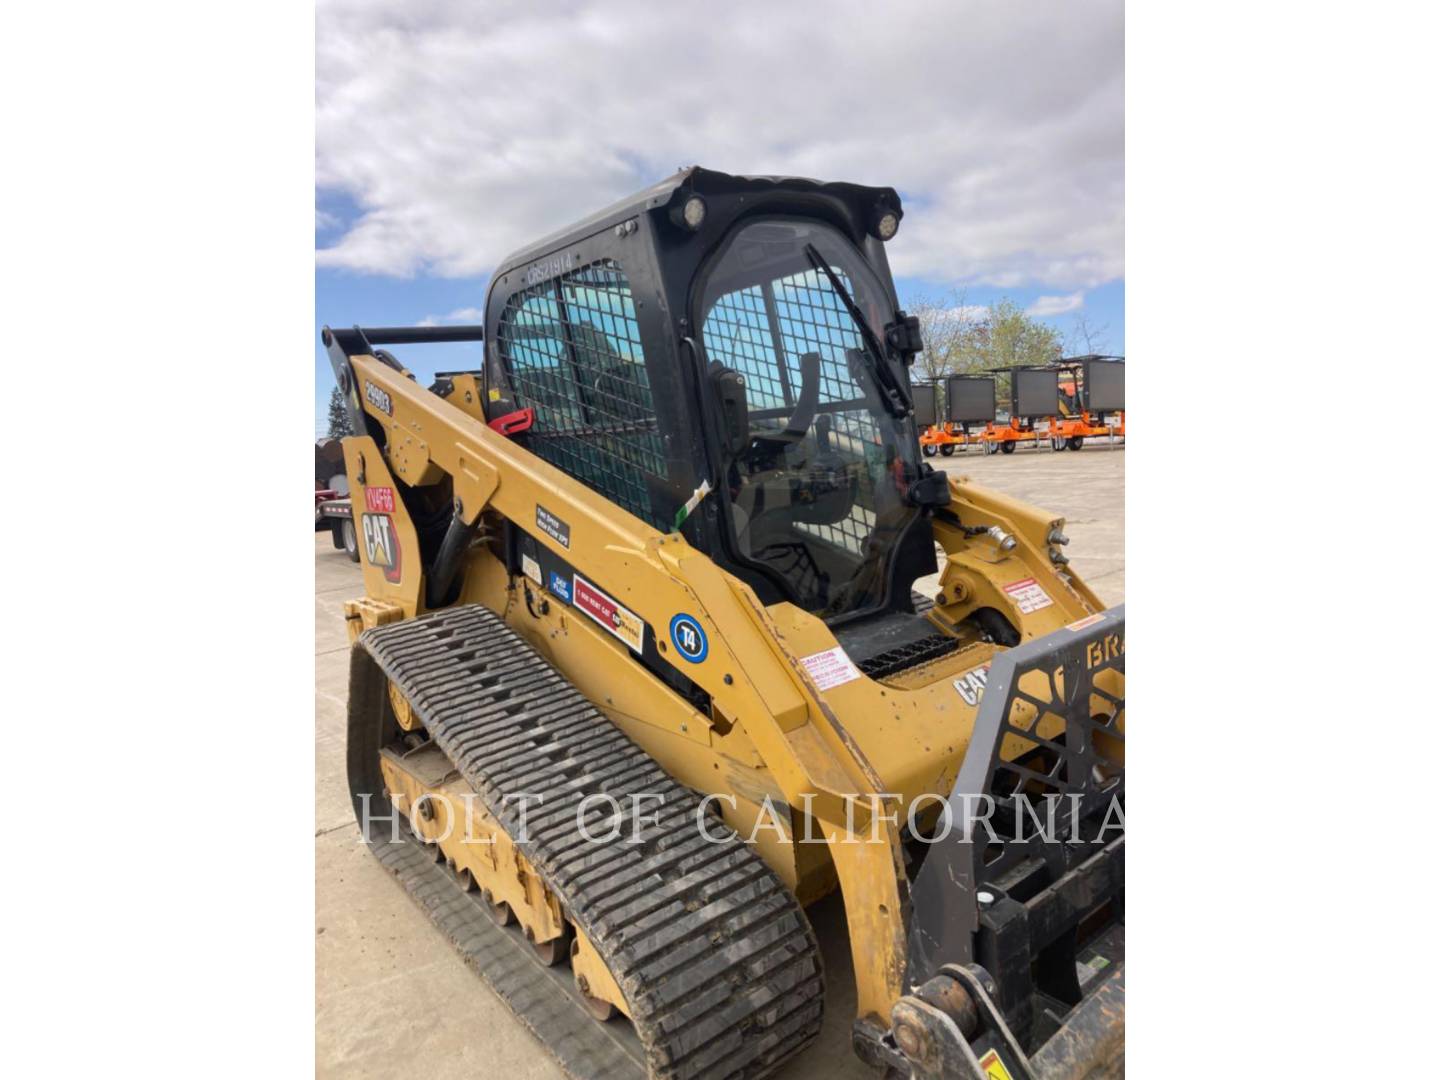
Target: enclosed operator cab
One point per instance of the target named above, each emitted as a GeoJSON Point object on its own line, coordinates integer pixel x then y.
{"type": "Point", "coordinates": [739, 334]}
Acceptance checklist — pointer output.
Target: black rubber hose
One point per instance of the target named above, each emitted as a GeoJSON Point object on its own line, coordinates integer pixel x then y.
{"type": "Point", "coordinates": [447, 561]}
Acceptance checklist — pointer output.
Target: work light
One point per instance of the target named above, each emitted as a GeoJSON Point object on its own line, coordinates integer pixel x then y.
{"type": "Point", "coordinates": [886, 222]}
{"type": "Point", "coordinates": [690, 214]}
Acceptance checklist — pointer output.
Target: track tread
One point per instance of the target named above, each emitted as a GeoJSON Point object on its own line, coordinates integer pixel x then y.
{"type": "Point", "coordinates": [717, 960]}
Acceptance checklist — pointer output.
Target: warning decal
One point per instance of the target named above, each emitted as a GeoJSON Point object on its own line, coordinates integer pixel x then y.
{"type": "Point", "coordinates": [619, 620]}
{"type": "Point", "coordinates": [993, 1067]}
{"type": "Point", "coordinates": [830, 668]}
{"type": "Point", "coordinates": [1028, 595]}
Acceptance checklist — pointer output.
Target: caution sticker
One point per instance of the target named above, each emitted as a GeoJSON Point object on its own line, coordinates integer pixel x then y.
{"type": "Point", "coordinates": [993, 1067]}
{"type": "Point", "coordinates": [1028, 595]}
{"type": "Point", "coordinates": [830, 668]}
{"type": "Point", "coordinates": [610, 613]}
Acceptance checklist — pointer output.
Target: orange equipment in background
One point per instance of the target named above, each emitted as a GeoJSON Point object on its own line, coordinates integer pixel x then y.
{"type": "Point", "coordinates": [1091, 401]}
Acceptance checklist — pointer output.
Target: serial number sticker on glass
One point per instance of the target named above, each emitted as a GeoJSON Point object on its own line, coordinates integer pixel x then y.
{"type": "Point", "coordinates": [830, 668]}
{"type": "Point", "coordinates": [1028, 595]}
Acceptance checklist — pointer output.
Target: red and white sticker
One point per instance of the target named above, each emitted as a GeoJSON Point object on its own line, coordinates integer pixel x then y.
{"type": "Point", "coordinates": [830, 668]}
{"type": "Point", "coordinates": [380, 500]}
{"type": "Point", "coordinates": [1028, 595]}
{"type": "Point", "coordinates": [1081, 624]}
{"type": "Point", "coordinates": [610, 613]}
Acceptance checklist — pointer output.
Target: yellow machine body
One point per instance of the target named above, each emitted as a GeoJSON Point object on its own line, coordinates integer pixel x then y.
{"type": "Point", "coordinates": [798, 761]}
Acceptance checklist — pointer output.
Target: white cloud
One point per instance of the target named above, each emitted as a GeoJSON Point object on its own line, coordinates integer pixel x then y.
{"type": "Point", "coordinates": [1056, 305]}
{"type": "Point", "coordinates": [464, 132]}
{"type": "Point", "coordinates": [459, 315]}
{"type": "Point", "coordinates": [965, 313]}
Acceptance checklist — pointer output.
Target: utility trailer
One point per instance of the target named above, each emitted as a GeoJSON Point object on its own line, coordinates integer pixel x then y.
{"type": "Point", "coordinates": [933, 435]}
{"type": "Point", "coordinates": [1092, 402]}
{"type": "Point", "coordinates": [1034, 395]}
{"type": "Point", "coordinates": [969, 400]}
{"type": "Point", "coordinates": [936, 435]}
{"type": "Point", "coordinates": [333, 514]}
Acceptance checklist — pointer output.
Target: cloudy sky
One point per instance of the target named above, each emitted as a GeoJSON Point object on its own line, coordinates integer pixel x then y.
{"type": "Point", "coordinates": [448, 134]}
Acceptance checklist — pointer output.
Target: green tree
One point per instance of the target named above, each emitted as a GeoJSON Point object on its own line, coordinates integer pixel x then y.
{"type": "Point", "coordinates": [339, 415]}
{"type": "Point", "coordinates": [1006, 337]}
{"type": "Point", "coordinates": [944, 323]}
{"type": "Point", "coordinates": [965, 339]}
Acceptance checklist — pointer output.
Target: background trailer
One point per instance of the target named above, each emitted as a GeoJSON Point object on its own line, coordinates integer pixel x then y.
{"type": "Point", "coordinates": [1034, 392]}
{"type": "Point", "coordinates": [923, 395]}
{"type": "Point", "coordinates": [1104, 384]}
{"type": "Point", "coordinates": [970, 399]}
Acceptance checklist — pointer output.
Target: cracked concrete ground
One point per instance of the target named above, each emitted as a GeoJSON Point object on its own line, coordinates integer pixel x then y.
{"type": "Point", "coordinates": [392, 999]}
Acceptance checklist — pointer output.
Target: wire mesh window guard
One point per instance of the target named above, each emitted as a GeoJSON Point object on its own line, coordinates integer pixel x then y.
{"type": "Point", "coordinates": [803, 313]}
{"type": "Point", "coordinates": [572, 349]}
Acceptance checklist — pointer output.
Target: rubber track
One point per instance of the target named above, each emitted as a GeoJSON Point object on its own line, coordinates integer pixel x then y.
{"type": "Point", "coordinates": [718, 962]}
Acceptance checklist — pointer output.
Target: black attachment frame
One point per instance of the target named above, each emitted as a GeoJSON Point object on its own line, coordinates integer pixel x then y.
{"type": "Point", "coordinates": [998, 892]}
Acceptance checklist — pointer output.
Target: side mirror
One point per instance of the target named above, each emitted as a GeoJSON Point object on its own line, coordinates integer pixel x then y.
{"type": "Point", "coordinates": [903, 335]}
{"type": "Point", "coordinates": [931, 491]}
{"type": "Point", "coordinates": [727, 386]}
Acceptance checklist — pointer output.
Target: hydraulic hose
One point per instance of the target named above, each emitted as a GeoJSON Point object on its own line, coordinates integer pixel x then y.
{"type": "Point", "coordinates": [447, 560]}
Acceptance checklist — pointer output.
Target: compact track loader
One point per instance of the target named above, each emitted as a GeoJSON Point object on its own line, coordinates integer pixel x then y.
{"type": "Point", "coordinates": [640, 673]}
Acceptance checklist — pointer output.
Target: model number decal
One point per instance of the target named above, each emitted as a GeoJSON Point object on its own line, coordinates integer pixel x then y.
{"type": "Point", "coordinates": [688, 637]}
{"type": "Point", "coordinates": [379, 398]}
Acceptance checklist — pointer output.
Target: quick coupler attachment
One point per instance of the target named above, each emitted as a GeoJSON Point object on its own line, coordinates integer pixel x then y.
{"type": "Point", "coordinates": [950, 1028]}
